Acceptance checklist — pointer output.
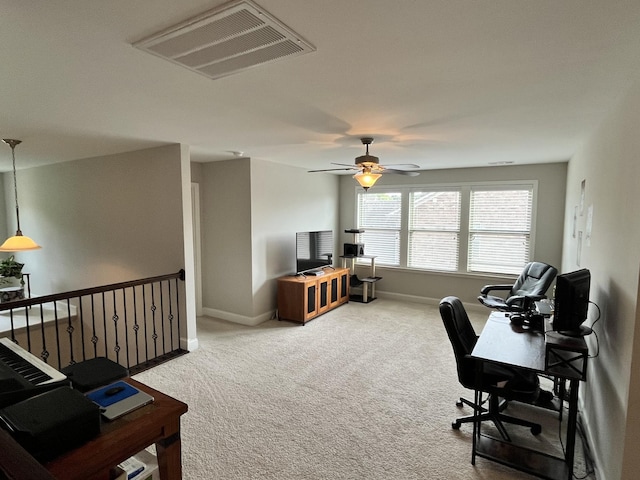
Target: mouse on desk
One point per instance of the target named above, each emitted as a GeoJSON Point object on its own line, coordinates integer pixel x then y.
{"type": "Point", "coordinates": [114, 390]}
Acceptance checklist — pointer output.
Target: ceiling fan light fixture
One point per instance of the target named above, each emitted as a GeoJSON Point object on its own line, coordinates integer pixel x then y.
{"type": "Point", "coordinates": [367, 179]}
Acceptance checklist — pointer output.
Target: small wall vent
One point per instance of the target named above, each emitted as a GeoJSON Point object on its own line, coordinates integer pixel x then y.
{"type": "Point", "coordinates": [228, 39]}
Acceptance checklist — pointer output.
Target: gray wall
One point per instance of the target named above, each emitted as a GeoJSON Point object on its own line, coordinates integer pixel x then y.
{"type": "Point", "coordinates": [226, 237]}
{"type": "Point", "coordinates": [251, 211]}
{"type": "Point", "coordinates": [432, 286]}
{"type": "Point", "coordinates": [609, 164]}
{"type": "Point", "coordinates": [7, 207]}
{"type": "Point", "coordinates": [101, 220]}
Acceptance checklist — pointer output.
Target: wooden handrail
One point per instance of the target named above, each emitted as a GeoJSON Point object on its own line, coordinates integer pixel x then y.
{"type": "Point", "coordinates": [27, 302]}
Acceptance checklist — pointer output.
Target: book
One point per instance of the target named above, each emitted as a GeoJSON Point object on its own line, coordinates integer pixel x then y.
{"type": "Point", "coordinates": [118, 399]}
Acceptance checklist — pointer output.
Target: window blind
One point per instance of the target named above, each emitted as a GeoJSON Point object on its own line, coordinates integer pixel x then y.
{"type": "Point", "coordinates": [499, 229]}
{"type": "Point", "coordinates": [380, 215]}
{"type": "Point", "coordinates": [434, 230]}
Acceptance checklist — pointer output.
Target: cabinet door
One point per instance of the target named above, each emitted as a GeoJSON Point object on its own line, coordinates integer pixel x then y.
{"type": "Point", "coordinates": [334, 290]}
{"type": "Point", "coordinates": [343, 294]}
{"type": "Point", "coordinates": [324, 293]}
{"type": "Point", "coordinates": [310, 300]}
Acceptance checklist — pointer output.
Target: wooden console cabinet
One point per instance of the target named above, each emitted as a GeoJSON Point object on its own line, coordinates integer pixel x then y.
{"type": "Point", "coordinates": [301, 298]}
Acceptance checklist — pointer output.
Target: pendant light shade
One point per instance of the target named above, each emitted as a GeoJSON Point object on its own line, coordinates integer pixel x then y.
{"type": "Point", "coordinates": [18, 242]}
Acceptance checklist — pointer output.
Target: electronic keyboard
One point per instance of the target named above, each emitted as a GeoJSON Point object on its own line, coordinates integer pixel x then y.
{"type": "Point", "coordinates": [23, 375]}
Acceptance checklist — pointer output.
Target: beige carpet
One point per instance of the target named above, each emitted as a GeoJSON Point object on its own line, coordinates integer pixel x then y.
{"type": "Point", "coordinates": [366, 391]}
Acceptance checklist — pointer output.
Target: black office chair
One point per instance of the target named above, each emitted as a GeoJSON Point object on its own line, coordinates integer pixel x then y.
{"type": "Point", "coordinates": [531, 285]}
{"type": "Point", "coordinates": [519, 384]}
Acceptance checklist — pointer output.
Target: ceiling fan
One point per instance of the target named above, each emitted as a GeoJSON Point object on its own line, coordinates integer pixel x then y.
{"type": "Point", "coordinates": [370, 169]}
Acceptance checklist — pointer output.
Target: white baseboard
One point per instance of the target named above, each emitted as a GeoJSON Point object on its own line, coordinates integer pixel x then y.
{"type": "Point", "coordinates": [429, 301]}
{"type": "Point", "coordinates": [235, 318]}
{"type": "Point", "coordinates": [189, 344]}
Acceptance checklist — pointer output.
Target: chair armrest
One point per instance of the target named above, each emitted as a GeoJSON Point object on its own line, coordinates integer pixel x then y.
{"type": "Point", "coordinates": [523, 301]}
{"type": "Point", "coordinates": [487, 288]}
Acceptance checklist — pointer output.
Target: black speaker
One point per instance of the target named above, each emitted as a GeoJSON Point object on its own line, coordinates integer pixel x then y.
{"type": "Point", "coordinates": [353, 249]}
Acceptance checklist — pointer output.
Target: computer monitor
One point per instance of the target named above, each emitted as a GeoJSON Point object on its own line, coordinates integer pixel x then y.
{"type": "Point", "coordinates": [571, 303]}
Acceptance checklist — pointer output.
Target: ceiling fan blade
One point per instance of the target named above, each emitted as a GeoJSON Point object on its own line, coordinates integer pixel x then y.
{"type": "Point", "coordinates": [331, 170]}
{"type": "Point", "coordinates": [402, 165]}
{"type": "Point", "coordinates": [346, 165]}
{"type": "Point", "coordinates": [408, 173]}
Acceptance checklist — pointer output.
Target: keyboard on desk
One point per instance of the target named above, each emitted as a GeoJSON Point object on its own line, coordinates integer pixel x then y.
{"type": "Point", "coordinates": [23, 375]}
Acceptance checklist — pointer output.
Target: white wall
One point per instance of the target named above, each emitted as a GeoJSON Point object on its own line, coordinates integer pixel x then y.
{"type": "Point", "coordinates": [610, 166]}
{"type": "Point", "coordinates": [251, 211]}
{"type": "Point", "coordinates": [432, 286]}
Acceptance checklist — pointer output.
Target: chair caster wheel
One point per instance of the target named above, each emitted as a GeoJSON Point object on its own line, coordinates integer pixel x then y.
{"type": "Point", "coordinates": [459, 404]}
{"type": "Point", "coordinates": [455, 425]}
{"type": "Point", "coordinates": [536, 429]}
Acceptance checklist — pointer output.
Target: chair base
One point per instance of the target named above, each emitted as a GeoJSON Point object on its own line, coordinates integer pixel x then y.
{"type": "Point", "coordinates": [494, 413]}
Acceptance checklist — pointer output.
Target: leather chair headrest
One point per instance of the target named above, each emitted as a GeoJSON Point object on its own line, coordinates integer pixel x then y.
{"type": "Point", "coordinates": [537, 270]}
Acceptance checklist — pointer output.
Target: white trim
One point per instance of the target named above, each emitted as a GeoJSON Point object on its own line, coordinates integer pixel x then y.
{"type": "Point", "coordinates": [189, 262]}
{"type": "Point", "coordinates": [197, 245]}
{"type": "Point", "coordinates": [235, 318]}
{"type": "Point", "coordinates": [470, 307]}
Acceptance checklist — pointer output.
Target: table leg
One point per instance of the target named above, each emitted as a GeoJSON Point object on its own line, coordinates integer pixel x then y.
{"type": "Point", "coordinates": [169, 452]}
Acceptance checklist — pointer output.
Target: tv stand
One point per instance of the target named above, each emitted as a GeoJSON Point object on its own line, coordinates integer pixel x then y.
{"type": "Point", "coordinates": [302, 298]}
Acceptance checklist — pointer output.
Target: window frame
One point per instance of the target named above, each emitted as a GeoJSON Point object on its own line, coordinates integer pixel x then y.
{"type": "Point", "coordinates": [465, 189]}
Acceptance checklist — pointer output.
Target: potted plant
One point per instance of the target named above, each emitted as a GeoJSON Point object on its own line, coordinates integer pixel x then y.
{"type": "Point", "coordinates": [11, 273]}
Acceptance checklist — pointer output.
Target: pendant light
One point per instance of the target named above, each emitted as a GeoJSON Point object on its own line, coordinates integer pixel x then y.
{"type": "Point", "coordinates": [18, 242]}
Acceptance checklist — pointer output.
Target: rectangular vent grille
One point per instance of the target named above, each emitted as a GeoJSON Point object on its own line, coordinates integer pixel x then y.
{"type": "Point", "coordinates": [226, 40]}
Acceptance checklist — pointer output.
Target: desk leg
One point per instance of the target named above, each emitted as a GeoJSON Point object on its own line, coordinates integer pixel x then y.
{"type": "Point", "coordinates": [572, 422]}
{"type": "Point", "coordinates": [477, 399]}
{"type": "Point", "coordinates": [169, 452]}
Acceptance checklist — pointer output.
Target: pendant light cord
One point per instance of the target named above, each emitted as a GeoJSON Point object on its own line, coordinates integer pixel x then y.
{"type": "Point", "coordinates": [12, 144]}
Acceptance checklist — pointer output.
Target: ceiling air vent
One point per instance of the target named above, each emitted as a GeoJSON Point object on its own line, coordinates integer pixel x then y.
{"type": "Point", "coordinates": [236, 36]}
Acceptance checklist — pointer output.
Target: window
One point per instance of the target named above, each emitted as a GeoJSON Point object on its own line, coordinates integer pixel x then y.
{"type": "Point", "coordinates": [379, 214]}
{"type": "Point", "coordinates": [499, 229]}
{"type": "Point", "coordinates": [434, 230]}
{"type": "Point", "coordinates": [455, 228]}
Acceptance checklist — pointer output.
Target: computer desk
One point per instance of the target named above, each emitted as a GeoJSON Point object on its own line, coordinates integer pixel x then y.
{"type": "Point", "coordinates": [550, 353]}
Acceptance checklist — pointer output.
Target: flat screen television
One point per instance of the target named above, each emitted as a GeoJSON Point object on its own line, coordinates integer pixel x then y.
{"type": "Point", "coordinates": [314, 250]}
{"type": "Point", "coordinates": [571, 303]}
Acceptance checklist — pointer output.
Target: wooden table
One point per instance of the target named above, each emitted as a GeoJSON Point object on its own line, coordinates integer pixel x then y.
{"type": "Point", "coordinates": [157, 423]}
{"type": "Point", "coordinates": [503, 343]}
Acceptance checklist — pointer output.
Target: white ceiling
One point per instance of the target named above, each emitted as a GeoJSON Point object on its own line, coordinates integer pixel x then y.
{"type": "Point", "coordinates": [439, 83]}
